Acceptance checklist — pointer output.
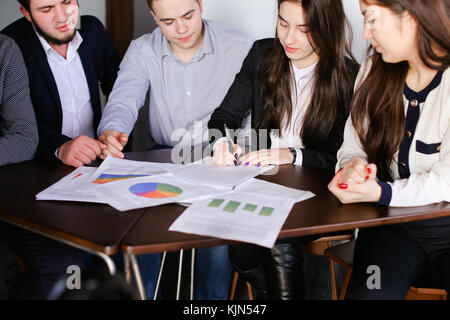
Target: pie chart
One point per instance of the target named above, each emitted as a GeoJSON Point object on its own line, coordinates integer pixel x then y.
{"type": "Point", "coordinates": [155, 190]}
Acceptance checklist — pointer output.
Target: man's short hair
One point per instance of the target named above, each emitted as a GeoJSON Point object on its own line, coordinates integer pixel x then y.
{"type": "Point", "coordinates": [150, 2]}
{"type": "Point", "coordinates": [25, 4]}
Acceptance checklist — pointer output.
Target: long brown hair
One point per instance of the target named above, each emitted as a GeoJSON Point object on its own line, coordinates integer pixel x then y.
{"type": "Point", "coordinates": [378, 107]}
{"type": "Point", "coordinates": [333, 84]}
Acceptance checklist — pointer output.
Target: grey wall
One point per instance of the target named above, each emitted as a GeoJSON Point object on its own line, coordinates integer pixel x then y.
{"type": "Point", "coordinates": [9, 10]}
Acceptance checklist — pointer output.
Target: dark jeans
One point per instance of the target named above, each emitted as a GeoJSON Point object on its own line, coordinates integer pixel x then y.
{"type": "Point", "coordinates": [407, 254]}
{"type": "Point", "coordinates": [46, 261]}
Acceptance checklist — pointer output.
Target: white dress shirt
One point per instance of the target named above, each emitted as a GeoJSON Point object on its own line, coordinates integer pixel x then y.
{"type": "Point", "coordinates": [73, 90]}
{"type": "Point", "coordinates": [301, 98]}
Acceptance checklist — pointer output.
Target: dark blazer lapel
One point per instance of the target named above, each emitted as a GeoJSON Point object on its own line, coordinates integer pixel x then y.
{"type": "Point", "coordinates": [91, 76]}
{"type": "Point", "coordinates": [41, 60]}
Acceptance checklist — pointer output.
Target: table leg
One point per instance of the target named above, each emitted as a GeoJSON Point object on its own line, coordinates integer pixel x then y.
{"type": "Point", "coordinates": [161, 267]}
{"type": "Point", "coordinates": [192, 272]}
{"type": "Point", "coordinates": [137, 275]}
{"type": "Point", "coordinates": [180, 268]}
{"type": "Point", "coordinates": [126, 263]}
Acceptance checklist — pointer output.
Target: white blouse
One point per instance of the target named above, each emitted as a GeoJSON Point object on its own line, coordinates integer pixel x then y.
{"type": "Point", "coordinates": [301, 98]}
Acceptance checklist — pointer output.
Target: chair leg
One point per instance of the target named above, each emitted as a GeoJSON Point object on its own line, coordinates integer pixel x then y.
{"type": "Point", "coordinates": [333, 280]}
{"type": "Point", "coordinates": [348, 275]}
{"type": "Point", "coordinates": [250, 292]}
{"type": "Point", "coordinates": [233, 285]}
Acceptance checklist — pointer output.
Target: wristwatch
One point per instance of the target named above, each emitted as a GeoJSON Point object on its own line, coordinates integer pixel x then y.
{"type": "Point", "coordinates": [294, 153]}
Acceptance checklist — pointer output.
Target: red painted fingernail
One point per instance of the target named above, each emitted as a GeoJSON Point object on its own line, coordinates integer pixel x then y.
{"type": "Point", "coordinates": [367, 177]}
{"type": "Point", "coordinates": [343, 186]}
{"type": "Point", "coordinates": [339, 170]}
{"type": "Point", "coordinates": [369, 170]}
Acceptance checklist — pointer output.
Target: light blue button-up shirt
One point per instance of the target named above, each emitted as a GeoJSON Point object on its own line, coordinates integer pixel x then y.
{"type": "Point", "coordinates": [182, 96]}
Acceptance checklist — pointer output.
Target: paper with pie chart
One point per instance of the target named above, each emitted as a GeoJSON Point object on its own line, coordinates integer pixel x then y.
{"type": "Point", "coordinates": [113, 170]}
{"type": "Point", "coordinates": [242, 216]}
{"type": "Point", "coordinates": [73, 187]}
{"type": "Point", "coordinates": [151, 191]}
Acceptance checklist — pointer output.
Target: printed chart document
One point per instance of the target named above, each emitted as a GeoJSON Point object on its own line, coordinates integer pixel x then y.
{"type": "Point", "coordinates": [204, 172]}
{"type": "Point", "coordinates": [242, 216]}
{"type": "Point", "coordinates": [268, 188]}
{"type": "Point", "coordinates": [73, 187]}
{"type": "Point", "coordinates": [78, 185]}
{"type": "Point", "coordinates": [152, 191]}
{"type": "Point", "coordinates": [113, 169]}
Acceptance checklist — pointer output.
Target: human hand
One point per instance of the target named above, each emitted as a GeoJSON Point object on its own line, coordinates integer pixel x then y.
{"type": "Point", "coordinates": [115, 142]}
{"type": "Point", "coordinates": [267, 157]}
{"type": "Point", "coordinates": [349, 185]}
{"type": "Point", "coordinates": [80, 151]}
{"type": "Point", "coordinates": [222, 156]}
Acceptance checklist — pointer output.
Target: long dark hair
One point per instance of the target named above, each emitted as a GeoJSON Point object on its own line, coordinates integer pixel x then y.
{"type": "Point", "coordinates": [378, 107]}
{"type": "Point", "coordinates": [333, 84]}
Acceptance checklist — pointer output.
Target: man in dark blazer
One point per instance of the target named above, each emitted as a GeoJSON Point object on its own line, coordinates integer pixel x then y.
{"type": "Point", "coordinates": [48, 33]}
{"type": "Point", "coordinates": [65, 67]}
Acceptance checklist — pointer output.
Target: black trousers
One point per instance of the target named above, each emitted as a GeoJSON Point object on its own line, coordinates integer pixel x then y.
{"type": "Point", "coordinates": [275, 274]}
{"type": "Point", "coordinates": [416, 253]}
{"type": "Point", "coordinates": [46, 261]}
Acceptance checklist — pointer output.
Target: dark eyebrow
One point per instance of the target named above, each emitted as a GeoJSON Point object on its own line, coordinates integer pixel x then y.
{"type": "Point", "coordinates": [184, 15]}
{"type": "Point", "coordinates": [45, 7]}
{"type": "Point", "coordinates": [299, 25]}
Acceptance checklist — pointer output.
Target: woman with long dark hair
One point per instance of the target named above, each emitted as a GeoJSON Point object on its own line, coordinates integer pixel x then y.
{"type": "Point", "coordinates": [298, 87]}
{"type": "Point", "coordinates": [396, 148]}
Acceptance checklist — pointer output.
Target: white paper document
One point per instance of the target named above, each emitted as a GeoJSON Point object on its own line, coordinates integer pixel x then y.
{"type": "Point", "coordinates": [272, 189]}
{"type": "Point", "coordinates": [204, 172]}
{"type": "Point", "coordinates": [152, 191]}
{"type": "Point", "coordinates": [73, 187]}
{"type": "Point", "coordinates": [113, 169]}
{"type": "Point", "coordinates": [242, 216]}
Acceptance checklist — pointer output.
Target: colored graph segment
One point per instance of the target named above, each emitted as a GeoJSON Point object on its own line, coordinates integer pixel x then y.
{"type": "Point", "coordinates": [155, 190]}
{"type": "Point", "coordinates": [232, 206]}
{"type": "Point", "coordinates": [266, 211]}
{"type": "Point", "coordinates": [216, 203]}
{"type": "Point", "coordinates": [106, 178]}
{"type": "Point", "coordinates": [250, 207]}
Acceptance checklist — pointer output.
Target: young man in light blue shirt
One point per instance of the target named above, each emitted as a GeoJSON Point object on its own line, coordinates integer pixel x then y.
{"type": "Point", "coordinates": [188, 65]}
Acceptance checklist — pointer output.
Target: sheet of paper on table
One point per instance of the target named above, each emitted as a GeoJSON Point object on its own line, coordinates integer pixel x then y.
{"type": "Point", "coordinates": [237, 215]}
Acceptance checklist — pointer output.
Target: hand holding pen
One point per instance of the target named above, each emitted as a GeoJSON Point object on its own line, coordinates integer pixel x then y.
{"type": "Point", "coordinates": [226, 153]}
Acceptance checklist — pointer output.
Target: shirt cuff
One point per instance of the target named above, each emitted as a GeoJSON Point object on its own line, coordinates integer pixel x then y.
{"type": "Point", "coordinates": [386, 194]}
{"type": "Point", "coordinates": [299, 159]}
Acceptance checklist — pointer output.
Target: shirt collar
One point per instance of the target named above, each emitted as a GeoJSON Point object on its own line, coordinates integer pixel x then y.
{"type": "Point", "coordinates": [304, 73]}
{"type": "Point", "coordinates": [207, 45]}
{"type": "Point", "coordinates": [73, 45]}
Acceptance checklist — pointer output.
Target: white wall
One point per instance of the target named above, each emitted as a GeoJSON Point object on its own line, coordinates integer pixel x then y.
{"type": "Point", "coordinates": [9, 10]}
{"type": "Point", "coordinates": [258, 18]}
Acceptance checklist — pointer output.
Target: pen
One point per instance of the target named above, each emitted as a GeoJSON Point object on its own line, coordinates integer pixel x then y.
{"type": "Point", "coordinates": [230, 143]}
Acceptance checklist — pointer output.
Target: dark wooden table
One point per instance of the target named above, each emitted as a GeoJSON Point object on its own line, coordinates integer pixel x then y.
{"type": "Point", "coordinates": [102, 230]}
{"type": "Point", "coordinates": [95, 228]}
{"type": "Point", "coordinates": [320, 214]}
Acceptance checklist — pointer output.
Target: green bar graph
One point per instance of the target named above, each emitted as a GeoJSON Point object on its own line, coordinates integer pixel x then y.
{"type": "Point", "coordinates": [216, 203]}
{"type": "Point", "coordinates": [250, 207]}
{"type": "Point", "coordinates": [266, 211]}
{"type": "Point", "coordinates": [232, 206]}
